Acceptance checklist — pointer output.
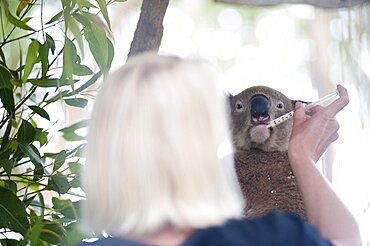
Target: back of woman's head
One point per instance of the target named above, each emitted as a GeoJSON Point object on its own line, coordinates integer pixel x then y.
{"type": "Point", "coordinates": [152, 150]}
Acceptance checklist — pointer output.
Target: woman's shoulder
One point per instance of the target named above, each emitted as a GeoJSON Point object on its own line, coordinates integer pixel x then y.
{"type": "Point", "coordinates": [275, 228]}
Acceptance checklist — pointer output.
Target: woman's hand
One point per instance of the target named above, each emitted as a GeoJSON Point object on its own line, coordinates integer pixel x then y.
{"type": "Point", "coordinates": [315, 130]}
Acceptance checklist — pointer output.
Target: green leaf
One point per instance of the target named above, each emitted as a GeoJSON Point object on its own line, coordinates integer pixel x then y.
{"type": "Point", "coordinates": [59, 183]}
{"type": "Point", "coordinates": [28, 201]}
{"type": "Point", "coordinates": [9, 242]}
{"type": "Point", "coordinates": [5, 78]}
{"type": "Point", "coordinates": [59, 159]}
{"type": "Point", "coordinates": [40, 111]}
{"type": "Point", "coordinates": [74, 167]}
{"type": "Point", "coordinates": [55, 18]}
{"type": "Point", "coordinates": [2, 56]}
{"type": "Point", "coordinates": [26, 149]}
{"type": "Point", "coordinates": [12, 212]}
{"type": "Point", "coordinates": [22, 5]}
{"type": "Point", "coordinates": [53, 232]}
{"type": "Point", "coordinates": [91, 81]}
{"type": "Point", "coordinates": [97, 40]}
{"type": "Point", "coordinates": [74, 127]}
{"type": "Point", "coordinates": [51, 43]}
{"type": "Point", "coordinates": [5, 139]}
{"type": "Point", "coordinates": [38, 172]}
{"type": "Point", "coordinates": [65, 207]}
{"type": "Point", "coordinates": [85, 4]}
{"type": "Point", "coordinates": [26, 132]}
{"type": "Point", "coordinates": [77, 102]}
{"type": "Point", "coordinates": [74, 234]}
{"type": "Point", "coordinates": [36, 231]}
{"type": "Point", "coordinates": [41, 136]}
{"type": "Point", "coordinates": [103, 9]}
{"type": "Point", "coordinates": [8, 166]}
{"type": "Point", "coordinates": [75, 29]}
{"type": "Point", "coordinates": [74, 152]}
{"type": "Point", "coordinates": [31, 58]}
{"type": "Point", "coordinates": [7, 99]}
{"type": "Point", "coordinates": [50, 82]}
{"type": "Point", "coordinates": [75, 183]}
{"type": "Point", "coordinates": [81, 70]}
{"type": "Point", "coordinates": [10, 185]}
{"type": "Point", "coordinates": [44, 54]}
{"type": "Point", "coordinates": [16, 22]}
{"type": "Point", "coordinates": [68, 56]}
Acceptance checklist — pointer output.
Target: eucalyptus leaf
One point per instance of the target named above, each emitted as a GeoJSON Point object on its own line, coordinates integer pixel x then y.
{"type": "Point", "coordinates": [8, 166]}
{"type": "Point", "coordinates": [50, 42]}
{"type": "Point", "coordinates": [75, 183]}
{"type": "Point", "coordinates": [59, 160]}
{"type": "Point", "coordinates": [38, 172]}
{"type": "Point", "coordinates": [53, 232]}
{"type": "Point", "coordinates": [28, 201]}
{"type": "Point", "coordinates": [7, 98]}
{"type": "Point", "coordinates": [9, 242]}
{"type": "Point", "coordinates": [74, 167]}
{"type": "Point", "coordinates": [41, 136]}
{"type": "Point", "coordinates": [10, 185]}
{"type": "Point", "coordinates": [44, 55]}
{"type": "Point", "coordinates": [5, 138]}
{"type": "Point", "coordinates": [36, 230]}
{"type": "Point", "coordinates": [65, 207]}
{"type": "Point", "coordinates": [55, 18]}
{"type": "Point", "coordinates": [26, 149]}
{"type": "Point", "coordinates": [31, 58]}
{"type": "Point", "coordinates": [77, 102]}
{"type": "Point", "coordinates": [40, 111]}
{"type": "Point", "coordinates": [98, 45]}
{"type": "Point", "coordinates": [75, 29]}
{"type": "Point", "coordinates": [50, 82]}
{"type": "Point", "coordinates": [59, 183]}
{"type": "Point", "coordinates": [5, 78]}
{"type": "Point", "coordinates": [90, 82]}
{"type": "Point", "coordinates": [81, 70]}
{"type": "Point", "coordinates": [103, 9]}
{"type": "Point", "coordinates": [12, 212]}
{"type": "Point", "coordinates": [74, 127]}
{"type": "Point", "coordinates": [21, 6]}
{"type": "Point", "coordinates": [68, 56]}
{"type": "Point", "coordinates": [16, 22]}
{"type": "Point", "coordinates": [26, 132]}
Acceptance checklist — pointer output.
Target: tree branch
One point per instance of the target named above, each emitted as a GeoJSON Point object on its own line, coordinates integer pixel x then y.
{"type": "Point", "coordinates": [149, 30]}
{"type": "Point", "coordinates": [317, 3]}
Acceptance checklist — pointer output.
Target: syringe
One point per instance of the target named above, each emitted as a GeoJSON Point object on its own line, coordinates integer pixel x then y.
{"type": "Point", "coordinates": [289, 115]}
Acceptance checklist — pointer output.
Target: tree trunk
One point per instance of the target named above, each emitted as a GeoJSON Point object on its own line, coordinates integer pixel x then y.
{"type": "Point", "coordinates": [318, 3]}
{"type": "Point", "coordinates": [149, 30]}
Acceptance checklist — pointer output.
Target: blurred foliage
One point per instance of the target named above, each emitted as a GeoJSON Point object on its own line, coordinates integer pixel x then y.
{"type": "Point", "coordinates": [35, 185]}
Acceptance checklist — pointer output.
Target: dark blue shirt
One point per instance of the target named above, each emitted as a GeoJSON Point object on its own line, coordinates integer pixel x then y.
{"type": "Point", "coordinates": [275, 228]}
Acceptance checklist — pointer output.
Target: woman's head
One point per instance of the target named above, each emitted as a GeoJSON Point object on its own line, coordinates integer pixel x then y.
{"type": "Point", "coordinates": [152, 148]}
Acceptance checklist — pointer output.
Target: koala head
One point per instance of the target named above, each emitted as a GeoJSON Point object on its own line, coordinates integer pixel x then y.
{"type": "Point", "coordinates": [252, 110]}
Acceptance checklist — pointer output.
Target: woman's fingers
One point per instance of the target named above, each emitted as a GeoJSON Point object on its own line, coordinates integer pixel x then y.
{"type": "Point", "coordinates": [336, 106]}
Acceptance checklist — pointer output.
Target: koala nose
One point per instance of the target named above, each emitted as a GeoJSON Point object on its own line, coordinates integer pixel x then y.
{"type": "Point", "coordinates": [259, 106]}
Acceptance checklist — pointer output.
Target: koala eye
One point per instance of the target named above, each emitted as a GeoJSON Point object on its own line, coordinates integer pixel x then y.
{"type": "Point", "coordinates": [280, 105]}
{"type": "Point", "coordinates": [239, 106]}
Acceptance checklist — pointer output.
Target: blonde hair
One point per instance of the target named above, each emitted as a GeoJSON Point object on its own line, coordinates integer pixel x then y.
{"type": "Point", "coordinates": [151, 160]}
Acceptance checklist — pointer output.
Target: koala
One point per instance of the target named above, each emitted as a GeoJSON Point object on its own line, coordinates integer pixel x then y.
{"type": "Point", "coordinates": [261, 153]}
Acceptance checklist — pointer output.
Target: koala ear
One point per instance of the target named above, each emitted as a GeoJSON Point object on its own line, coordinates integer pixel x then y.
{"type": "Point", "coordinates": [295, 101]}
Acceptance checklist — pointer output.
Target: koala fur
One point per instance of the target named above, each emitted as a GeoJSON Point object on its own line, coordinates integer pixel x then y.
{"type": "Point", "coordinates": [261, 153]}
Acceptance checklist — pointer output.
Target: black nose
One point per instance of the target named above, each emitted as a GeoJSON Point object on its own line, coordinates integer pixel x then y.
{"type": "Point", "coordinates": [259, 106]}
